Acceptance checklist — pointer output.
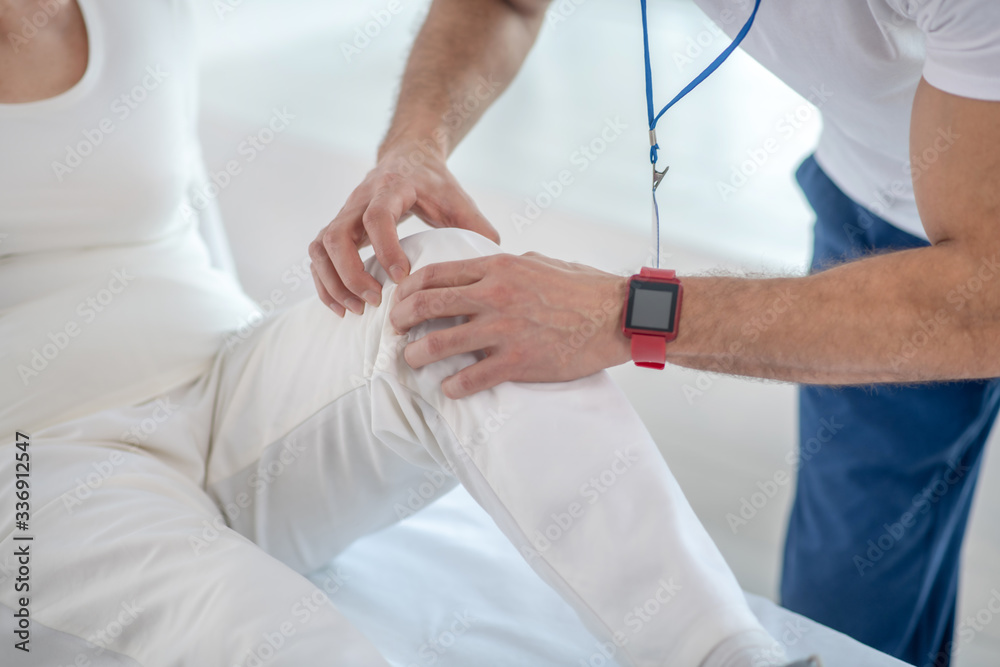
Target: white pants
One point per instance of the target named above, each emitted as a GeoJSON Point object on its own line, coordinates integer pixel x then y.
{"type": "Point", "coordinates": [176, 532]}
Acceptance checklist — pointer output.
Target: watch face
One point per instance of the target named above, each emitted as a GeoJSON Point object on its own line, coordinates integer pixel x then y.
{"type": "Point", "coordinates": [651, 306]}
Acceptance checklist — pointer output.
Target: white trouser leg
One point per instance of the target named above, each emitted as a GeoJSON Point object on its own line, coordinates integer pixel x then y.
{"type": "Point", "coordinates": [321, 433]}
{"type": "Point", "coordinates": [132, 566]}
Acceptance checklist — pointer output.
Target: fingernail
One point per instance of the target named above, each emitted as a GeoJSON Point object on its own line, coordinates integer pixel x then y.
{"type": "Point", "coordinates": [372, 297]}
{"type": "Point", "coordinates": [396, 272]}
{"type": "Point", "coordinates": [337, 309]}
{"type": "Point", "coordinates": [355, 306]}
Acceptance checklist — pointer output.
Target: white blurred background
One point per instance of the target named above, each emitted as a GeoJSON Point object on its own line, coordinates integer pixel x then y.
{"type": "Point", "coordinates": [313, 59]}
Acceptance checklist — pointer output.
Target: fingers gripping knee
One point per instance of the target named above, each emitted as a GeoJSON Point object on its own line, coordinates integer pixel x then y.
{"type": "Point", "coordinates": [439, 245]}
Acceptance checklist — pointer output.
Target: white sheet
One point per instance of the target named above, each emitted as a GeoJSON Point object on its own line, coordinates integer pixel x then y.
{"type": "Point", "coordinates": [445, 588]}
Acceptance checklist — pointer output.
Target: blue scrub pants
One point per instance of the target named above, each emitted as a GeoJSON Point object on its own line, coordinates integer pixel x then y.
{"type": "Point", "coordinates": [886, 478]}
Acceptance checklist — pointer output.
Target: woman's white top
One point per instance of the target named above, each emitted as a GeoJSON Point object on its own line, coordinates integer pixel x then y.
{"type": "Point", "coordinates": [107, 294]}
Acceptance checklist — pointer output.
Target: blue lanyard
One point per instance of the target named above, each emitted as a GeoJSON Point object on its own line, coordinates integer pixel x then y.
{"type": "Point", "coordinates": [654, 118]}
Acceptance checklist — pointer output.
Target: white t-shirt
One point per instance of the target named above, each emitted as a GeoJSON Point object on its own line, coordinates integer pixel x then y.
{"type": "Point", "coordinates": [107, 294]}
{"type": "Point", "coordinates": [860, 61]}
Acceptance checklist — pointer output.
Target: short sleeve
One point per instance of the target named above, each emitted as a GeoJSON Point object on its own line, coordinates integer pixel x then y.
{"type": "Point", "coordinates": [963, 45]}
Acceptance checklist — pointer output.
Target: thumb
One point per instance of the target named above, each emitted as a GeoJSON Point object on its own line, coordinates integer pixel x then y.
{"type": "Point", "coordinates": [467, 216]}
{"type": "Point", "coordinates": [482, 226]}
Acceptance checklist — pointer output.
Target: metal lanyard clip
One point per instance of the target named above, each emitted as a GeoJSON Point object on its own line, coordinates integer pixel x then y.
{"type": "Point", "coordinates": [657, 175]}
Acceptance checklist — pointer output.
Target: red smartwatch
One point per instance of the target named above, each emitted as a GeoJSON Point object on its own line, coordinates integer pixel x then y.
{"type": "Point", "coordinates": [651, 315]}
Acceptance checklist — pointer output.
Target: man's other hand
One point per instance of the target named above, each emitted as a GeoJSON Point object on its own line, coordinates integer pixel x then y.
{"type": "Point", "coordinates": [536, 319]}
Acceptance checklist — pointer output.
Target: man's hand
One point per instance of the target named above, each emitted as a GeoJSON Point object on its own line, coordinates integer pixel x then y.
{"type": "Point", "coordinates": [409, 179]}
{"type": "Point", "coordinates": [462, 44]}
{"type": "Point", "coordinates": [537, 319]}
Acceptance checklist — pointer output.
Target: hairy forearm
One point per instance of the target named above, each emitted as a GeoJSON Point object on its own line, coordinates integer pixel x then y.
{"type": "Point", "coordinates": [912, 316]}
{"type": "Point", "coordinates": [465, 55]}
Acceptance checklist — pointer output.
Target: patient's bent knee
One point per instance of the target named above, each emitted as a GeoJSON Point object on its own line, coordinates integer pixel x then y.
{"type": "Point", "coordinates": [446, 245]}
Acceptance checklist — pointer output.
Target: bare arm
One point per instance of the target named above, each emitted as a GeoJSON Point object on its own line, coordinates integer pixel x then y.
{"type": "Point", "coordinates": [917, 315]}
{"type": "Point", "coordinates": [466, 54]}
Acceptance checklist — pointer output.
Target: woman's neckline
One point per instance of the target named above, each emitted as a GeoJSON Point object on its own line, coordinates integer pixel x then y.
{"type": "Point", "coordinates": [92, 28]}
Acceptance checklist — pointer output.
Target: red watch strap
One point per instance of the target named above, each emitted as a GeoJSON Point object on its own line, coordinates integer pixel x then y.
{"type": "Point", "coordinates": [649, 351]}
{"type": "Point", "coordinates": [650, 272]}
